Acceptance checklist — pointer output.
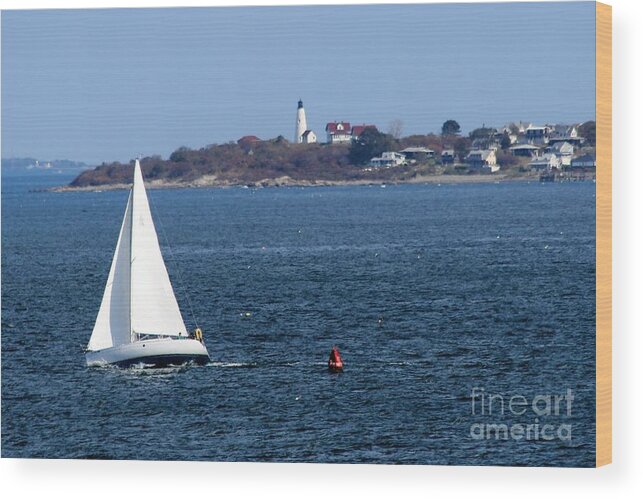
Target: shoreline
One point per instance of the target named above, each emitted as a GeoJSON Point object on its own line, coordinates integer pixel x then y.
{"type": "Point", "coordinates": [211, 182]}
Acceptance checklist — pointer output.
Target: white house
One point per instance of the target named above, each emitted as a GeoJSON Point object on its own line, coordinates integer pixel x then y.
{"type": "Point", "coordinates": [564, 151]}
{"type": "Point", "coordinates": [338, 132]}
{"type": "Point", "coordinates": [548, 161]}
{"type": "Point", "coordinates": [537, 134]}
{"type": "Point", "coordinates": [308, 137]}
{"type": "Point", "coordinates": [527, 150]}
{"type": "Point", "coordinates": [562, 131]}
{"type": "Point", "coordinates": [388, 159]}
{"type": "Point", "coordinates": [418, 153]}
{"type": "Point", "coordinates": [482, 159]}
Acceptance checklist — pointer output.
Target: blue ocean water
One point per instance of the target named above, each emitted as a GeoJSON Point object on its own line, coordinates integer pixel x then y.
{"type": "Point", "coordinates": [429, 291]}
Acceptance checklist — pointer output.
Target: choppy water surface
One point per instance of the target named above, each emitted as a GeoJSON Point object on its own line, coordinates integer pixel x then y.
{"type": "Point", "coordinates": [429, 291]}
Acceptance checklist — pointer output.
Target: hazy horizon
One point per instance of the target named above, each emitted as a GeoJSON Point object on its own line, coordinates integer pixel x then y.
{"type": "Point", "coordinates": [109, 84]}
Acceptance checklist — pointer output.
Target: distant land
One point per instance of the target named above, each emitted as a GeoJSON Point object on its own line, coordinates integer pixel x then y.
{"type": "Point", "coordinates": [513, 152]}
{"type": "Point", "coordinates": [14, 166]}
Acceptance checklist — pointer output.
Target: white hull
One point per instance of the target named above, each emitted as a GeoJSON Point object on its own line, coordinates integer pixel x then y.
{"type": "Point", "coordinates": [157, 352]}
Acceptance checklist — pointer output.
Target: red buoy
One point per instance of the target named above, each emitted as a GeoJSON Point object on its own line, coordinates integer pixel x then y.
{"type": "Point", "coordinates": [335, 362]}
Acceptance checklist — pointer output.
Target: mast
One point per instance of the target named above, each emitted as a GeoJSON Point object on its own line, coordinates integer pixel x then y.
{"type": "Point", "coordinates": [131, 230]}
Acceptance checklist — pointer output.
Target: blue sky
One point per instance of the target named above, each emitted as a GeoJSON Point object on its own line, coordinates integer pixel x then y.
{"type": "Point", "coordinates": [103, 85]}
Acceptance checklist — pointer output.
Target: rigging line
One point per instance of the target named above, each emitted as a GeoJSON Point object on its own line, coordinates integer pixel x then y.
{"type": "Point", "coordinates": [174, 262]}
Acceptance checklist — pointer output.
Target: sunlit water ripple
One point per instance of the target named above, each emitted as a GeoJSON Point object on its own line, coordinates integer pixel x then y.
{"type": "Point", "coordinates": [428, 290]}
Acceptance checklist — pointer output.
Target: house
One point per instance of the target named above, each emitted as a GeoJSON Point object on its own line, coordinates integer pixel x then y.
{"type": "Point", "coordinates": [499, 135]}
{"type": "Point", "coordinates": [584, 161]}
{"type": "Point", "coordinates": [486, 143]}
{"type": "Point", "coordinates": [448, 157]}
{"type": "Point", "coordinates": [548, 162]}
{"type": "Point", "coordinates": [338, 132]}
{"type": "Point", "coordinates": [565, 133]}
{"type": "Point", "coordinates": [576, 141]}
{"type": "Point", "coordinates": [479, 159]}
{"type": "Point", "coordinates": [308, 137]}
{"type": "Point", "coordinates": [525, 150]}
{"type": "Point", "coordinates": [418, 153]}
{"type": "Point", "coordinates": [388, 159]}
{"type": "Point", "coordinates": [248, 140]}
{"type": "Point", "coordinates": [357, 130]}
{"type": "Point", "coordinates": [564, 151]}
{"type": "Point", "coordinates": [537, 135]}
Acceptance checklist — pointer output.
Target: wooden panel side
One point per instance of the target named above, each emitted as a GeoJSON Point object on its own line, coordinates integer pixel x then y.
{"type": "Point", "coordinates": [603, 234]}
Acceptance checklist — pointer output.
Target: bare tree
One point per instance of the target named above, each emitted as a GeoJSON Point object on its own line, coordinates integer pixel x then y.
{"type": "Point", "coordinates": [395, 128]}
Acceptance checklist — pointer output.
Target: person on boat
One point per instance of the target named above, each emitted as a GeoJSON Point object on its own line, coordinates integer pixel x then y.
{"type": "Point", "coordinates": [198, 334]}
{"type": "Point", "coordinates": [335, 362]}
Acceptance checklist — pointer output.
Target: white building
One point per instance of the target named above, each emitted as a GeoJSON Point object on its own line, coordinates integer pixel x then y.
{"type": "Point", "coordinates": [418, 153]}
{"type": "Point", "coordinates": [526, 150]}
{"type": "Point", "coordinates": [564, 151]}
{"type": "Point", "coordinates": [482, 159]}
{"type": "Point", "coordinates": [300, 126]}
{"type": "Point", "coordinates": [537, 135]}
{"type": "Point", "coordinates": [302, 134]}
{"type": "Point", "coordinates": [308, 137]}
{"type": "Point", "coordinates": [338, 132]}
{"type": "Point", "coordinates": [548, 162]}
{"type": "Point", "coordinates": [388, 159]}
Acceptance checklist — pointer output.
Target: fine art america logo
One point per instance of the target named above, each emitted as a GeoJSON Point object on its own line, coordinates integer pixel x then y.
{"type": "Point", "coordinates": [539, 417]}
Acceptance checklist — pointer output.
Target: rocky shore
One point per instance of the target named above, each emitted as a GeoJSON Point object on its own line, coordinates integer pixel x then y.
{"type": "Point", "coordinates": [286, 181]}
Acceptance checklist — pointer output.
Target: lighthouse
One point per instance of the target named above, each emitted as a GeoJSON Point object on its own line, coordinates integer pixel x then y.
{"type": "Point", "coordinates": [302, 134]}
{"type": "Point", "coordinates": [301, 123]}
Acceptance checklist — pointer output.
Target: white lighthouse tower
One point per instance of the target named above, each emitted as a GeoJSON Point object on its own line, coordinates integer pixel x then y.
{"type": "Point", "coordinates": [301, 123]}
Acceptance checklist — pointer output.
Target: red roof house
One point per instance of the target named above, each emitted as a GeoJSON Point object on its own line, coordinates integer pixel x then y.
{"type": "Point", "coordinates": [359, 130]}
{"type": "Point", "coordinates": [247, 140]}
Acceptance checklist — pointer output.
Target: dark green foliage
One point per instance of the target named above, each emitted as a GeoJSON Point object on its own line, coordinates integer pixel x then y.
{"type": "Point", "coordinates": [514, 128]}
{"type": "Point", "coordinates": [482, 133]}
{"type": "Point", "coordinates": [461, 146]}
{"type": "Point", "coordinates": [505, 141]}
{"type": "Point", "coordinates": [450, 127]}
{"type": "Point", "coordinates": [179, 155]}
{"type": "Point", "coordinates": [370, 143]}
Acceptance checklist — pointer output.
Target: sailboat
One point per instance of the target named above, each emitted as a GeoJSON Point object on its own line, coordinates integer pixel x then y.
{"type": "Point", "coordinates": [139, 321]}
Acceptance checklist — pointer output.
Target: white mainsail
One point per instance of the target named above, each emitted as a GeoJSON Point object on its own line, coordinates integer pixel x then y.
{"type": "Point", "coordinates": [154, 309]}
{"type": "Point", "coordinates": [138, 297]}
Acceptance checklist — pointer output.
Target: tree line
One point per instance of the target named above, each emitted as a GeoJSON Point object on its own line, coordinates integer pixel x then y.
{"type": "Point", "coordinates": [251, 162]}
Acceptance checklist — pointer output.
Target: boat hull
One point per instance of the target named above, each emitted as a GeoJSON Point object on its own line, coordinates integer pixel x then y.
{"type": "Point", "coordinates": [160, 352]}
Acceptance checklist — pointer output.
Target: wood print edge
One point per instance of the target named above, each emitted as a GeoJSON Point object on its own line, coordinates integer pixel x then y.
{"type": "Point", "coordinates": [603, 234]}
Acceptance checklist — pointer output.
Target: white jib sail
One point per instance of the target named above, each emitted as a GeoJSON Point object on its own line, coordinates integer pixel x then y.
{"type": "Point", "coordinates": [112, 326]}
{"type": "Point", "coordinates": [154, 309]}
